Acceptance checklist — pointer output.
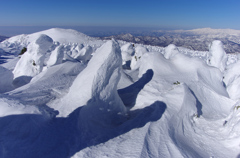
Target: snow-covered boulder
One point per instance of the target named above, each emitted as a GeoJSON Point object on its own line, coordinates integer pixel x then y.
{"type": "Point", "coordinates": [217, 56]}
{"type": "Point", "coordinates": [136, 59]}
{"type": "Point", "coordinates": [84, 54]}
{"type": "Point", "coordinates": [6, 78]}
{"type": "Point", "coordinates": [31, 62]}
{"type": "Point", "coordinates": [96, 84]}
{"type": "Point", "coordinates": [170, 51]}
{"type": "Point", "coordinates": [56, 56]}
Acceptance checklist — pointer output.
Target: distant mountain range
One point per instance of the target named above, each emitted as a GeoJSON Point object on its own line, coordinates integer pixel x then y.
{"type": "Point", "coordinates": [197, 39]}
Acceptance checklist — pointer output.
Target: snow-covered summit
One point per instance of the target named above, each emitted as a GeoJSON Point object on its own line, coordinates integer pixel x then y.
{"type": "Point", "coordinates": [57, 34]}
{"type": "Point", "coordinates": [203, 31]}
{"type": "Point", "coordinates": [65, 35]}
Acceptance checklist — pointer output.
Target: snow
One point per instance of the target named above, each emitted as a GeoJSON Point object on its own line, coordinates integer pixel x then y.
{"type": "Point", "coordinates": [170, 51]}
{"type": "Point", "coordinates": [84, 54]}
{"type": "Point", "coordinates": [31, 62]}
{"type": "Point", "coordinates": [127, 53]}
{"type": "Point", "coordinates": [84, 97]}
{"type": "Point", "coordinates": [217, 56]}
{"type": "Point", "coordinates": [136, 59]}
{"type": "Point", "coordinates": [98, 85]}
{"type": "Point", "coordinates": [56, 56]}
{"type": "Point", "coordinates": [215, 31]}
{"type": "Point", "coordinates": [231, 79]}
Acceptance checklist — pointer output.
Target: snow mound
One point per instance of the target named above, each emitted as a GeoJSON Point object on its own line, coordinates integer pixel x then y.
{"type": "Point", "coordinates": [99, 86]}
{"type": "Point", "coordinates": [31, 62]}
{"type": "Point", "coordinates": [217, 56]}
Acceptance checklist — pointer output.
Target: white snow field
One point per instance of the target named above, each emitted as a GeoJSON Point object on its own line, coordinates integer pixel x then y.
{"type": "Point", "coordinates": [70, 95]}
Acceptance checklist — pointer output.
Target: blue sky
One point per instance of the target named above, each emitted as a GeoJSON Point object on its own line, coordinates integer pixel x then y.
{"type": "Point", "coordinates": [177, 14]}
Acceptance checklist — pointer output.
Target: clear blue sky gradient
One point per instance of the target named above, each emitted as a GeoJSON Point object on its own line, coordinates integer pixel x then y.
{"type": "Point", "coordinates": [179, 14]}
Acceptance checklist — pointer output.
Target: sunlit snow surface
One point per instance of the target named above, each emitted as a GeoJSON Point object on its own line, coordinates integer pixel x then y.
{"type": "Point", "coordinates": [70, 95]}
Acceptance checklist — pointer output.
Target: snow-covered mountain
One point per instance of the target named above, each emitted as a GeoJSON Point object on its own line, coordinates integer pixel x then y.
{"type": "Point", "coordinates": [197, 39]}
{"type": "Point", "coordinates": [70, 95]}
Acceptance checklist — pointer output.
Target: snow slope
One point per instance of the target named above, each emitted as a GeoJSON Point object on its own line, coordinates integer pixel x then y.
{"type": "Point", "coordinates": [84, 97]}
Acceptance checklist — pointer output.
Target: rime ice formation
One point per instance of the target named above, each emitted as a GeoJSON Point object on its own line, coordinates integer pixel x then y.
{"type": "Point", "coordinates": [84, 54]}
{"type": "Point", "coordinates": [136, 59]}
{"type": "Point", "coordinates": [56, 56]}
{"type": "Point", "coordinates": [97, 82]}
{"type": "Point", "coordinates": [31, 62]}
{"type": "Point", "coordinates": [217, 55]}
{"type": "Point", "coordinates": [231, 79]}
{"type": "Point", "coordinates": [127, 51]}
{"type": "Point", "coordinates": [170, 51]}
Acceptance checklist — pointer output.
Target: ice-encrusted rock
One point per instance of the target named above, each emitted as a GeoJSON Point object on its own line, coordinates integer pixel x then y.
{"type": "Point", "coordinates": [31, 62]}
{"type": "Point", "coordinates": [217, 56]}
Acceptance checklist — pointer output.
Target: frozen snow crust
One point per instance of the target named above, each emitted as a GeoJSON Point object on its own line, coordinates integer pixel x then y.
{"type": "Point", "coordinates": [70, 95]}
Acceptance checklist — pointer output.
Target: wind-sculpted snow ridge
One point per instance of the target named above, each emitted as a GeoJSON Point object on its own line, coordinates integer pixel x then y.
{"type": "Point", "coordinates": [117, 99]}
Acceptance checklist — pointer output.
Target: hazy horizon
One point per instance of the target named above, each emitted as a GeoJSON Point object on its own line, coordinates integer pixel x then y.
{"type": "Point", "coordinates": [10, 31]}
{"type": "Point", "coordinates": [16, 16]}
{"type": "Point", "coordinates": [89, 30]}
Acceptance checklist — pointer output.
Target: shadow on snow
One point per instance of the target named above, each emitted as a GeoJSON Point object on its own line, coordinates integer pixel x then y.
{"type": "Point", "coordinates": [130, 93]}
{"type": "Point", "coordinates": [32, 135]}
